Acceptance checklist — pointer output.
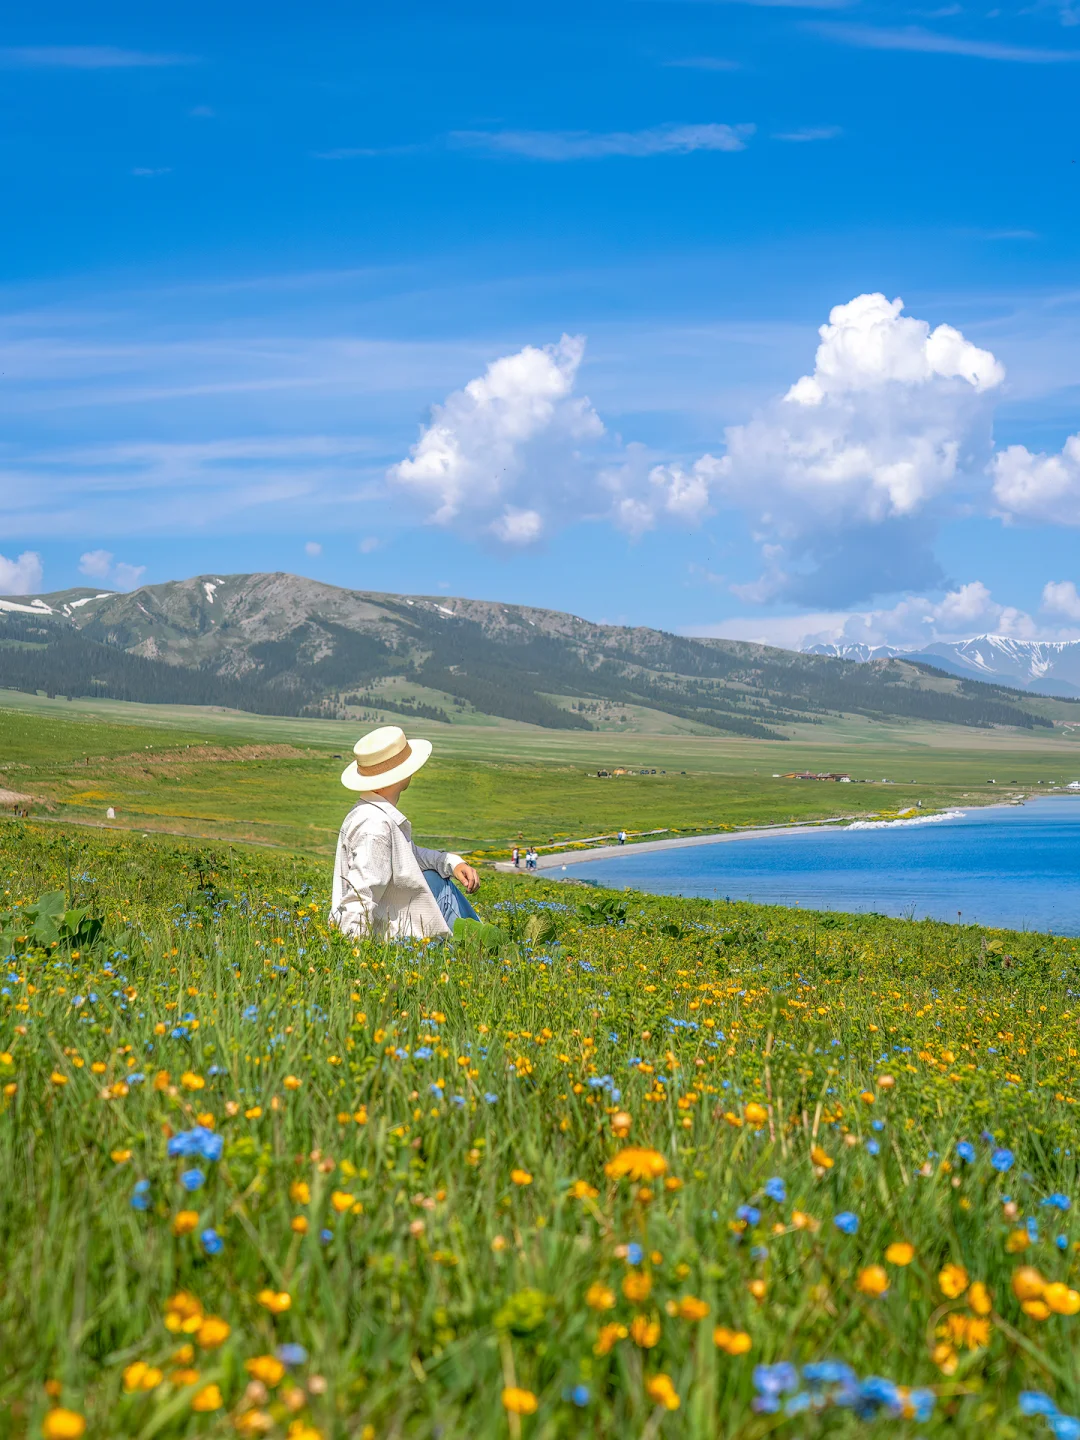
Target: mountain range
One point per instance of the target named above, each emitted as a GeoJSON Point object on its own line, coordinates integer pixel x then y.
{"type": "Point", "coordinates": [1045, 667]}
{"type": "Point", "coordinates": [282, 644]}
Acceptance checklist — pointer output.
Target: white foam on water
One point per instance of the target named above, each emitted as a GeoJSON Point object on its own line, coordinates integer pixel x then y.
{"type": "Point", "coordinates": [916, 820]}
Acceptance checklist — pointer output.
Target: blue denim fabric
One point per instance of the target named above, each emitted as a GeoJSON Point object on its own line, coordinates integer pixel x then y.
{"type": "Point", "coordinates": [453, 904]}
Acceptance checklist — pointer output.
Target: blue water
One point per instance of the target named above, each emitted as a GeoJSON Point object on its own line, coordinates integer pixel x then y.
{"type": "Point", "coordinates": [1017, 867]}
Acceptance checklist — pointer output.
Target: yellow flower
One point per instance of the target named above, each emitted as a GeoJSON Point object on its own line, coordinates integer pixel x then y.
{"type": "Point", "coordinates": [267, 1368]}
{"type": "Point", "coordinates": [521, 1177]}
{"type": "Point", "coordinates": [691, 1308]}
{"type": "Point", "coordinates": [141, 1376]}
{"type": "Point", "coordinates": [184, 1221]}
{"type": "Point", "coordinates": [253, 1422]}
{"type": "Point", "coordinates": [276, 1301]}
{"type": "Point", "coordinates": [873, 1280]}
{"type": "Point", "coordinates": [120, 1157]}
{"type": "Point", "coordinates": [299, 1224]}
{"type": "Point", "coordinates": [606, 1338]}
{"type": "Point", "coordinates": [190, 1081]}
{"type": "Point", "coordinates": [254, 1113]}
{"type": "Point", "coordinates": [821, 1157]}
{"type": "Point", "coordinates": [621, 1123]}
{"type": "Point", "coordinates": [660, 1389]}
{"type": "Point", "coordinates": [636, 1286]}
{"type": "Point", "coordinates": [900, 1253]}
{"type": "Point", "coordinates": [303, 1430]}
{"type": "Point", "coordinates": [944, 1357]}
{"type": "Point", "coordinates": [1061, 1299]}
{"type": "Point", "coordinates": [208, 1398]}
{"type": "Point", "coordinates": [755, 1114]}
{"type": "Point", "coordinates": [62, 1424]}
{"type": "Point", "coordinates": [734, 1342]}
{"type": "Point", "coordinates": [300, 1192]}
{"type": "Point", "coordinates": [953, 1280]}
{"type": "Point", "coordinates": [183, 1312]}
{"type": "Point", "coordinates": [518, 1401]}
{"type": "Point", "coordinates": [341, 1200]}
{"type": "Point", "coordinates": [801, 1220]}
{"type": "Point", "coordinates": [644, 1332]}
{"type": "Point", "coordinates": [980, 1299]}
{"type": "Point", "coordinates": [1037, 1309]}
{"type": "Point", "coordinates": [757, 1288]}
{"type": "Point", "coordinates": [213, 1332]}
{"type": "Point", "coordinates": [582, 1190]}
{"type": "Point", "coordinates": [58, 1079]}
{"type": "Point", "coordinates": [1017, 1240]}
{"type": "Point", "coordinates": [599, 1297]}
{"type": "Point", "coordinates": [291, 1082]}
{"type": "Point", "coordinates": [636, 1163]}
{"type": "Point", "coordinates": [867, 1097]}
{"type": "Point", "coordinates": [1027, 1283]}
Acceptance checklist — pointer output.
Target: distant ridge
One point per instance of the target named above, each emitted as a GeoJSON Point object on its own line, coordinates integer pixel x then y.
{"type": "Point", "coordinates": [282, 644]}
{"type": "Point", "coordinates": [1045, 667]}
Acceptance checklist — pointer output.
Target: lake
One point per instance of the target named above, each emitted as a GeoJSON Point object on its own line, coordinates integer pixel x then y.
{"type": "Point", "coordinates": [1017, 867]}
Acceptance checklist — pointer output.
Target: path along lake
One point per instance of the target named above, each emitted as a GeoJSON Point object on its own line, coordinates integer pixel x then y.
{"type": "Point", "coordinates": [1016, 867]}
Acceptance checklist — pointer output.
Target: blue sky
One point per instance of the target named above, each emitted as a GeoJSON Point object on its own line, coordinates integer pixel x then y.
{"type": "Point", "coordinates": [254, 255]}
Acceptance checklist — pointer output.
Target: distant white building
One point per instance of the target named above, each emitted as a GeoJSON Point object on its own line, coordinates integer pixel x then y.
{"type": "Point", "coordinates": [1073, 785]}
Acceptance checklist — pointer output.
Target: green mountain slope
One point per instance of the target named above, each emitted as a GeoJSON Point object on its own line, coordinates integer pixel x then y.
{"type": "Point", "coordinates": [281, 644]}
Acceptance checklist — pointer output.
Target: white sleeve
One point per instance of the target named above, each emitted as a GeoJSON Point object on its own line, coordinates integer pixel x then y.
{"type": "Point", "coordinates": [367, 871]}
{"type": "Point", "coordinates": [441, 861]}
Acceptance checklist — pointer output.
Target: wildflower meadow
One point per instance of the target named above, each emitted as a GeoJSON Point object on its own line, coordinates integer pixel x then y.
{"type": "Point", "coordinates": [611, 1165]}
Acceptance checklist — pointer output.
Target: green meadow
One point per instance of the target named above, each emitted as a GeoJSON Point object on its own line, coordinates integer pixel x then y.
{"type": "Point", "coordinates": [231, 776]}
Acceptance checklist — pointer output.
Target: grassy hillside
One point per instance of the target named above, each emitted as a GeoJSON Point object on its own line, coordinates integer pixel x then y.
{"type": "Point", "coordinates": [277, 781]}
{"type": "Point", "coordinates": [659, 1168]}
{"type": "Point", "coordinates": [284, 645]}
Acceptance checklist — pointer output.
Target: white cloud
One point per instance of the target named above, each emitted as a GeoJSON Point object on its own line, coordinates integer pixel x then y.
{"type": "Point", "coordinates": [837, 476]}
{"type": "Point", "coordinates": [1039, 487]}
{"type": "Point", "coordinates": [98, 565]}
{"type": "Point", "coordinates": [591, 145]}
{"type": "Point", "coordinates": [1060, 597]}
{"type": "Point", "coordinates": [21, 576]}
{"type": "Point", "coordinates": [312, 548]}
{"type": "Point", "coordinates": [84, 57]}
{"type": "Point", "coordinates": [504, 455]}
{"type": "Point", "coordinates": [914, 37]}
{"type": "Point", "coordinates": [368, 544]}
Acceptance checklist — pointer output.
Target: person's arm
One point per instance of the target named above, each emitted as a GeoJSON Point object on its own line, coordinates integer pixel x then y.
{"type": "Point", "coordinates": [368, 871]}
{"type": "Point", "coordinates": [448, 865]}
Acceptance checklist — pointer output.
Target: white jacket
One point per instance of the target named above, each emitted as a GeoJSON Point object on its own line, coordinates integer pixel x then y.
{"type": "Point", "coordinates": [379, 885]}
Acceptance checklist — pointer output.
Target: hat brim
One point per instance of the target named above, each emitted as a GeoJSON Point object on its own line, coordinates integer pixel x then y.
{"type": "Point", "coordinates": [368, 784]}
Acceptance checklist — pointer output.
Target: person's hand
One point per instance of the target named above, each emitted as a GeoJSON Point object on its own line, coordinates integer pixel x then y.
{"type": "Point", "coordinates": [467, 877]}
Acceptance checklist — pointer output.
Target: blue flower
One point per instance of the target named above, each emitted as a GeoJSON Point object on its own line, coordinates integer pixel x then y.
{"type": "Point", "coordinates": [490, 1098]}
{"type": "Point", "coordinates": [1034, 1402]}
{"type": "Point", "coordinates": [847, 1222]}
{"type": "Point", "coordinates": [1064, 1427]}
{"type": "Point", "coordinates": [966, 1151]}
{"type": "Point", "coordinates": [1060, 1202]}
{"type": "Point", "coordinates": [179, 1033]}
{"type": "Point", "coordinates": [749, 1213]}
{"type": "Point", "coordinates": [776, 1379]}
{"type": "Point", "coordinates": [251, 1013]}
{"type": "Point", "coordinates": [198, 1141]}
{"type": "Point", "coordinates": [193, 1179]}
{"type": "Point", "coordinates": [797, 1403]}
{"type": "Point", "coordinates": [877, 1124]}
{"type": "Point", "coordinates": [140, 1199]}
{"type": "Point", "coordinates": [424, 1052]}
{"type": "Point", "coordinates": [1002, 1160]}
{"type": "Point", "coordinates": [1062, 1242]}
{"type": "Point", "coordinates": [873, 1148]}
{"type": "Point", "coordinates": [212, 1242]}
{"type": "Point", "coordinates": [326, 1236]}
{"type": "Point", "coordinates": [634, 1253]}
{"type": "Point", "coordinates": [828, 1372]}
{"type": "Point", "coordinates": [776, 1190]}
{"type": "Point", "coordinates": [922, 1403]}
{"type": "Point", "coordinates": [579, 1396]}
{"type": "Point", "coordinates": [292, 1354]}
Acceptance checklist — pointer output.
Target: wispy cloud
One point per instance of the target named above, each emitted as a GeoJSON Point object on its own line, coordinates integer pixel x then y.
{"type": "Point", "coordinates": [592, 145]}
{"type": "Point", "coordinates": [914, 37]}
{"type": "Point", "coordinates": [147, 171]}
{"type": "Point", "coordinates": [85, 57]}
{"type": "Point", "coordinates": [364, 152]}
{"type": "Point", "coordinates": [702, 62]}
{"type": "Point", "coordinates": [802, 137]}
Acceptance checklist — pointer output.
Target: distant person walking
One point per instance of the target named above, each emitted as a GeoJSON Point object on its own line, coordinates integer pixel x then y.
{"type": "Point", "coordinates": [385, 886]}
{"type": "Point", "coordinates": [515, 855]}
{"type": "Point", "coordinates": [531, 858]}
{"type": "Point", "coordinates": [622, 837]}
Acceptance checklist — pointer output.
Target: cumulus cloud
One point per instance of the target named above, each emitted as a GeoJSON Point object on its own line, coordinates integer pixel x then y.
{"type": "Point", "coordinates": [21, 576]}
{"type": "Point", "coordinates": [98, 565]}
{"type": "Point", "coordinates": [1039, 487]}
{"type": "Point", "coordinates": [313, 548]}
{"type": "Point", "coordinates": [1060, 598]}
{"type": "Point", "coordinates": [840, 477]}
{"type": "Point", "coordinates": [592, 145]}
{"type": "Point", "coordinates": [506, 455]}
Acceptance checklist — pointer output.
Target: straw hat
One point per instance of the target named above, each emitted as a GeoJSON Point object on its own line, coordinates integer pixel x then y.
{"type": "Point", "coordinates": [383, 758]}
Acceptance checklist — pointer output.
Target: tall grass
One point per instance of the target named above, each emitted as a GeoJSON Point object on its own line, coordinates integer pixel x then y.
{"type": "Point", "coordinates": [419, 1176]}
